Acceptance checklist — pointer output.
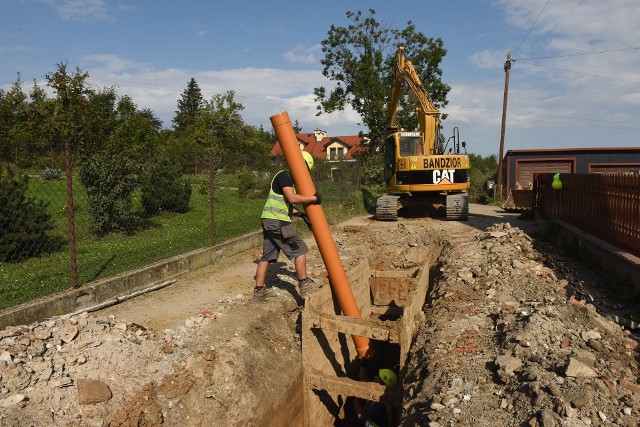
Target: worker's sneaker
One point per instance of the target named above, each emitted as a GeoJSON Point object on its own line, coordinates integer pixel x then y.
{"type": "Point", "coordinates": [306, 285]}
{"type": "Point", "coordinates": [260, 293]}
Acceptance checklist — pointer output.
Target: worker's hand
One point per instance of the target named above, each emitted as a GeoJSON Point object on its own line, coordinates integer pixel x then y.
{"type": "Point", "coordinates": [306, 220]}
{"type": "Point", "coordinates": [318, 199]}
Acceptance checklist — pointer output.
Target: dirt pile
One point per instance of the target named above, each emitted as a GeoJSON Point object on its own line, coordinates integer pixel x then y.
{"type": "Point", "coordinates": [506, 343]}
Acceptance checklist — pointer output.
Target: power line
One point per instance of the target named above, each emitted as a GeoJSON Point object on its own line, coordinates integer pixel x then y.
{"type": "Point", "coordinates": [556, 24]}
{"type": "Point", "coordinates": [527, 35]}
{"type": "Point", "coordinates": [586, 74]}
{"type": "Point", "coordinates": [578, 122]}
{"type": "Point", "coordinates": [582, 53]}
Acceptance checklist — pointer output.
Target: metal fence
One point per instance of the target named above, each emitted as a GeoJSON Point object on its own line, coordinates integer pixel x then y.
{"type": "Point", "coordinates": [604, 205]}
{"type": "Point", "coordinates": [51, 245]}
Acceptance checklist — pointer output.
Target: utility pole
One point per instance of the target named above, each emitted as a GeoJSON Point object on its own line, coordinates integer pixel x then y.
{"type": "Point", "coordinates": [507, 69]}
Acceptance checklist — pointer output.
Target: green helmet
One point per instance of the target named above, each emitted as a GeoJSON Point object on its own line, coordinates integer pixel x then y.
{"type": "Point", "coordinates": [388, 377]}
{"type": "Point", "coordinates": [308, 158]}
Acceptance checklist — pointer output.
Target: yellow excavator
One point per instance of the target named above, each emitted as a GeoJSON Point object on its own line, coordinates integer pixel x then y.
{"type": "Point", "coordinates": [420, 173]}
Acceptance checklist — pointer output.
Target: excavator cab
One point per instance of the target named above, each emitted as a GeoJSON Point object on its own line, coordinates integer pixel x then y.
{"type": "Point", "coordinates": [411, 146]}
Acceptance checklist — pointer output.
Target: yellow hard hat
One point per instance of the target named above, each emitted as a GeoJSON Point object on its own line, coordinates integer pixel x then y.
{"type": "Point", "coordinates": [308, 158]}
{"type": "Point", "coordinates": [388, 377]}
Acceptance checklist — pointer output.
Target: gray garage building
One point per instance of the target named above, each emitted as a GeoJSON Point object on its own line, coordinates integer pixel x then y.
{"type": "Point", "coordinates": [520, 166]}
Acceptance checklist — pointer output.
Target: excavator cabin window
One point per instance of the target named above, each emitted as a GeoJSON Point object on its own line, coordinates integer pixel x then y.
{"type": "Point", "coordinates": [410, 146]}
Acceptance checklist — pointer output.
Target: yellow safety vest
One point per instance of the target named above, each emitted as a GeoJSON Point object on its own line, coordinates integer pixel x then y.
{"type": "Point", "coordinates": [276, 206]}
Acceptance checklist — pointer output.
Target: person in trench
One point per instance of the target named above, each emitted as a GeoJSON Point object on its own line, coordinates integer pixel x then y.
{"type": "Point", "coordinates": [376, 414]}
{"type": "Point", "coordinates": [280, 234]}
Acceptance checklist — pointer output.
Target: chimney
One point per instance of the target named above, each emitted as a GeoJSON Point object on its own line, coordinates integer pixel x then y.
{"type": "Point", "coordinates": [320, 134]}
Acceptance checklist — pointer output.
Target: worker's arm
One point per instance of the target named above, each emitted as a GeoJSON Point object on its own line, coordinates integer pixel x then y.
{"type": "Point", "coordinates": [295, 198]}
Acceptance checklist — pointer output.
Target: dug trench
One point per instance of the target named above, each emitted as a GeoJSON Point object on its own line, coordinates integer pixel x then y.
{"type": "Point", "coordinates": [508, 336]}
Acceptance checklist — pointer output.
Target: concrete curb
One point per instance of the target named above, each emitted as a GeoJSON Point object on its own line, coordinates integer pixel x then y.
{"type": "Point", "coordinates": [102, 290]}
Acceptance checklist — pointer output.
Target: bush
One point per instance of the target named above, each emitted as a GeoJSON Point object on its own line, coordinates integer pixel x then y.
{"type": "Point", "coordinates": [49, 173]}
{"type": "Point", "coordinates": [250, 186]}
{"type": "Point", "coordinates": [109, 184]}
{"type": "Point", "coordinates": [373, 170]}
{"type": "Point", "coordinates": [164, 188]}
{"type": "Point", "coordinates": [23, 221]}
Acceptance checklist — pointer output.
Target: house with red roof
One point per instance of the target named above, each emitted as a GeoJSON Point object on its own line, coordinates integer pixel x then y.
{"type": "Point", "coordinates": [321, 146]}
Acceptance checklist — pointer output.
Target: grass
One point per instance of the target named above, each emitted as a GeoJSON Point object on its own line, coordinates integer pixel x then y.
{"type": "Point", "coordinates": [166, 235]}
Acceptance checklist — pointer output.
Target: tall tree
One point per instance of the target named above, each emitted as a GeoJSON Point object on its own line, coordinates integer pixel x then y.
{"type": "Point", "coordinates": [150, 115]}
{"type": "Point", "coordinates": [188, 106]}
{"type": "Point", "coordinates": [219, 129]}
{"type": "Point", "coordinates": [360, 59]}
{"type": "Point", "coordinates": [12, 113]}
{"type": "Point", "coordinates": [71, 102]}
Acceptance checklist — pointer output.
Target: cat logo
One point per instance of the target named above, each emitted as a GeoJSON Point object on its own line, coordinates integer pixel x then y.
{"type": "Point", "coordinates": [443, 176]}
{"type": "Point", "coordinates": [413, 163]}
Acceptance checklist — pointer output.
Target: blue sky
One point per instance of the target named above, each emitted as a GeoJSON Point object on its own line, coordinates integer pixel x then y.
{"type": "Point", "coordinates": [584, 91]}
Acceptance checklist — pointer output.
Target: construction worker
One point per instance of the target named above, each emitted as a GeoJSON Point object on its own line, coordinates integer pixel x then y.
{"type": "Point", "coordinates": [280, 234]}
{"type": "Point", "coordinates": [376, 414]}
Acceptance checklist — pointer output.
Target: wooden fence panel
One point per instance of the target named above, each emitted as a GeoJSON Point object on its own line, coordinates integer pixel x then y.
{"type": "Point", "coordinates": [606, 206]}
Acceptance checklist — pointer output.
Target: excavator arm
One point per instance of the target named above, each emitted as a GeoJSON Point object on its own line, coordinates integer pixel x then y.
{"type": "Point", "coordinates": [427, 113]}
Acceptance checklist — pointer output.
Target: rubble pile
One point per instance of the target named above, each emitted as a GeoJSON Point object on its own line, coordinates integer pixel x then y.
{"type": "Point", "coordinates": [505, 343]}
{"type": "Point", "coordinates": [55, 372]}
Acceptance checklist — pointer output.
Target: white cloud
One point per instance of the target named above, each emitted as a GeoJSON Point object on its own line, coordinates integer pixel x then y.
{"type": "Point", "coordinates": [263, 91]}
{"type": "Point", "coordinates": [303, 54]}
{"type": "Point", "coordinates": [83, 10]}
{"type": "Point", "coordinates": [16, 49]}
{"type": "Point", "coordinates": [488, 59]}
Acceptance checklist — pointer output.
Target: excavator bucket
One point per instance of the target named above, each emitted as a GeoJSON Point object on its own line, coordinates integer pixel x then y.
{"type": "Point", "coordinates": [519, 200]}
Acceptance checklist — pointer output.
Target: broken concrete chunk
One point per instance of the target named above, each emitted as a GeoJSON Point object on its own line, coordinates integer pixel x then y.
{"type": "Point", "coordinates": [507, 365]}
{"type": "Point", "coordinates": [92, 391]}
{"type": "Point", "coordinates": [591, 335]}
{"type": "Point", "coordinates": [13, 400]}
{"type": "Point", "coordinates": [6, 357]}
{"type": "Point", "coordinates": [69, 334]}
{"type": "Point", "coordinates": [577, 369]}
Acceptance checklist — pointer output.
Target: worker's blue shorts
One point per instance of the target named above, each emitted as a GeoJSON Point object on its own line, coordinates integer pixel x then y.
{"type": "Point", "coordinates": [293, 246]}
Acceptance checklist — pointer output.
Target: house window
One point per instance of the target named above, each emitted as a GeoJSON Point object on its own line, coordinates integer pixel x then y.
{"type": "Point", "coordinates": [336, 153]}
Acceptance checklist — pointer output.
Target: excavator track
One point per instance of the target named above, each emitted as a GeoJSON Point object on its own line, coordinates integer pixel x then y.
{"type": "Point", "coordinates": [458, 207]}
{"type": "Point", "coordinates": [387, 207]}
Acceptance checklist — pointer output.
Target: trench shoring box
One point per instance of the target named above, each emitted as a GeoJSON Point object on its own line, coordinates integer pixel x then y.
{"type": "Point", "coordinates": [388, 301]}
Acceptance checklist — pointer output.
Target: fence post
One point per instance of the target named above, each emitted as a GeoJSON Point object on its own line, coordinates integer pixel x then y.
{"type": "Point", "coordinates": [212, 201]}
{"type": "Point", "coordinates": [72, 226]}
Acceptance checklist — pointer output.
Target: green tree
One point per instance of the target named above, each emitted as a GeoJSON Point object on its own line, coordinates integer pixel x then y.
{"type": "Point", "coordinates": [35, 132]}
{"type": "Point", "coordinates": [360, 59]}
{"type": "Point", "coordinates": [482, 169]}
{"type": "Point", "coordinates": [110, 139]}
{"type": "Point", "coordinates": [150, 115]}
{"type": "Point", "coordinates": [188, 106]}
{"type": "Point", "coordinates": [12, 111]}
{"type": "Point", "coordinates": [255, 148]}
{"type": "Point", "coordinates": [24, 221]}
{"type": "Point", "coordinates": [113, 172]}
{"type": "Point", "coordinates": [164, 187]}
{"type": "Point", "coordinates": [219, 130]}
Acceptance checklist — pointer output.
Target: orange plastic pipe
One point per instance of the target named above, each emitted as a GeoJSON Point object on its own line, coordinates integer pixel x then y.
{"type": "Point", "coordinates": [328, 249]}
